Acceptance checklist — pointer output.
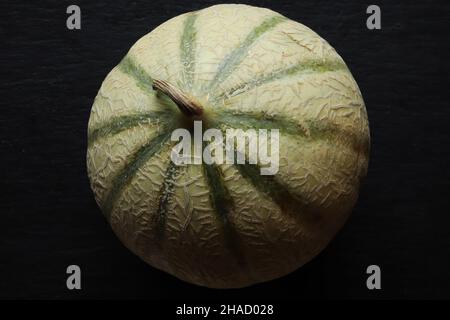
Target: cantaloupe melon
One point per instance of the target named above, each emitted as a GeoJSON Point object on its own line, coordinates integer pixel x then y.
{"type": "Point", "coordinates": [226, 225]}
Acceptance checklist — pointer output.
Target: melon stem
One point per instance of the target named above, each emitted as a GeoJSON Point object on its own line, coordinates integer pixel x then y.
{"type": "Point", "coordinates": [185, 103]}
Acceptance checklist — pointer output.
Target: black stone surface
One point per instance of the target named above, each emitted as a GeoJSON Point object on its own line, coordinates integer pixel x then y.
{"type": "Point", "coordinates": [49, 218]}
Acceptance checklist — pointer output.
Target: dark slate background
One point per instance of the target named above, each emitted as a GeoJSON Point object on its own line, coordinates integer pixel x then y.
{"type": "Point", "coordinates": [49, 218]}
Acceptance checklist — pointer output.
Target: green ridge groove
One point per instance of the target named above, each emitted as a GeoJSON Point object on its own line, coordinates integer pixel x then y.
{"type": "Point", "coordinates": [269, 186]}
{"type": "Point", "coordinates": [165, 193]}
{"type": "Point", "coordinates": [222, 202]}
{"type": "Point", "coordinates": [258, 120]}
{"type": "Point", "coordinates": [314, 130]}
{"type": "Point", "coordinates": [119, 124]}
{"type": "Point", "coordinates": [188, 48]}
{"type": "Point", "coordinates": [232, 60]}
{"type": "Point", "coordinates": [305, 67]}
{"type": "Point", "coordinates": [143, 80]}
{"type": "Point", "coordinates": [138, 159]}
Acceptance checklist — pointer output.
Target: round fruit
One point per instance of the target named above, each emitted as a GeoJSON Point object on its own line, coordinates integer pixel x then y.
{"type": "Point", "coordinates": [226, 225]}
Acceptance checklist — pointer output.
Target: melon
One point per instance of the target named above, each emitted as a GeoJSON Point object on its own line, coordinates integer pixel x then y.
{"type": "Point", "coordinates": [227, 225]}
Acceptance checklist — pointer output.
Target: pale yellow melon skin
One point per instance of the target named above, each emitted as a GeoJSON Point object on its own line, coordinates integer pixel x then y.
{"type": "Point", "coordinates": [326, 174]}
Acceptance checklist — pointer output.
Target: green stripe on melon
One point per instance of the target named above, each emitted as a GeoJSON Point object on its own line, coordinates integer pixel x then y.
{"type": "Point", "coordinates": [223, 204]}
{"type": "Point", "coordinates": [187, 48]}
{"type": "Point", "coordinates": [302, 68]}
{"type": "Point", "coordinates": [135, 162]}
{"type": "Point", "coordinates": [165, 194]}
{"type": "Point", "coordinates": [119, 124]}
{"type": "Point", "coordinates": [232, 60]}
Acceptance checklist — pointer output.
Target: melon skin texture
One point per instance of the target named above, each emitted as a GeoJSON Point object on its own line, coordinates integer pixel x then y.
{"type": "Point", "coordinates": [227, 226]}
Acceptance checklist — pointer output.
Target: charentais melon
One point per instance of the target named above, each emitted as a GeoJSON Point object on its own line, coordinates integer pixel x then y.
{"type": "Point", "coordinates": [226, 225]}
